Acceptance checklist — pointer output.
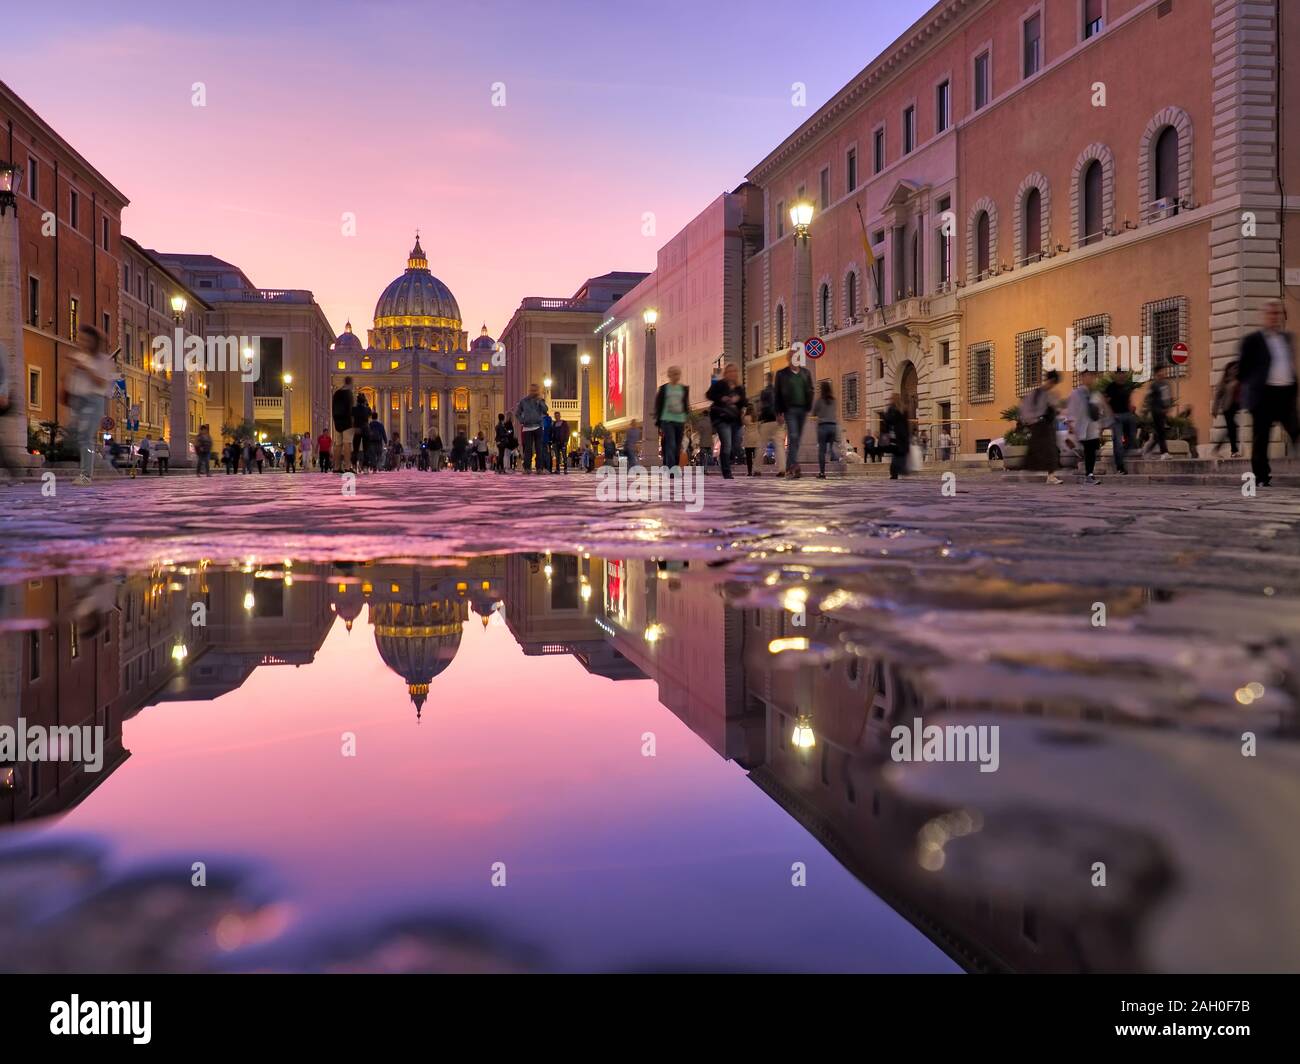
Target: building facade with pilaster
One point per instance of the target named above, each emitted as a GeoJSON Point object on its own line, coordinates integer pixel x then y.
{"type": "Point", "coordinates": [1029, 169]}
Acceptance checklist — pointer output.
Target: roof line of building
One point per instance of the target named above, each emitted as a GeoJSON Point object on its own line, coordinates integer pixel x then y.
{"type": "Point", "coordinates": [920, 33]}
{"type": "Point", "coordinates": [153, 258]}
{"type": "Point", "coordinates": [48, 132]}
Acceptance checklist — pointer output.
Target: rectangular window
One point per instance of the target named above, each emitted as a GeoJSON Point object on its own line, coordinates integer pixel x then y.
{"type": "Point", "coordinates": [33, 178]}
{"type": "Point", "coordinates": [758, 339]}
{"type": "Point", "coordinates": [1029, 360]}
{"type": "Point", "coordinates": [104, 229]}
{"type": "Point", "coordinates": [74, 317]}
{"type": "Point", "coordinates": [850, 393]}
{"type": "Point", "coordinates": [1033, 31]}
{"type": "Point", "coordinates": [981, 373]}
{"type": "Point", "coordinates": [851, 170]}
{"type": "Point", "coordinates": [825, 188]}
{"type": "Point", "coordinates": [1165, 321]}
{"type": "Point", "coordinates": [34, 301]}
{"type": "Point", "coordinates": [780, 219]}
{"type": "Point", "coordinates": [74, 208]}
{"type": "Point", "coordinates": [942, 106]}
{"type": "Point", "coordinates": [982, 85]}
{"type": "Point", "coordinates": [33, 656]}
{"type": "Point", "coordinates": [945, 352]}
{"type": "Point", "coordinates": [107, 325]}
{"type": "Point", "coordinates": [33, 388]}
{"type": "Point", "coordinates": [909, 129]}
{"type": "Point", "coordinates": [1092, 18]}
{"type": "Point", "coordinates": [878, 141]}
{"type": "Point", "coordinates": [1096, 328]}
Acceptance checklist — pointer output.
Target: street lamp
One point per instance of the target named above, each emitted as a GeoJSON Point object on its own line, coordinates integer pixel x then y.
{"type": "Point", "coordinates": [11, 180]}
{"type": "Point", "coordinates": [178, 307]}
{"type": "Point", "coordinates": [649, 381]}
{"type": "Point", "coordinates": [286, 419]}
{"type": "Point", "coordinates": [584, 398]}
{"type": "Point", "coordinates": [801, 215]}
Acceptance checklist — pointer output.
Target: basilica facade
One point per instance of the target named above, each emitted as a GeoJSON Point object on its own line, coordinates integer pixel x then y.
{"type": "Point", "coordinates": [417, 368]}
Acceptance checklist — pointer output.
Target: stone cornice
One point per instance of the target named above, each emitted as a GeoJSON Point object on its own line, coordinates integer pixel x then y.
{"type": "Point", "coordinates": [935, 22]}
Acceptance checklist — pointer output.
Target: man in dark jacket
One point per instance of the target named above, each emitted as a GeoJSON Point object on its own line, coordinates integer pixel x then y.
{"type": "Point", "coordinates": [794, 398]}
{"type": "Point", "coordinates": [895, 425]}
{"type": "Point", "coordinates": [360, 431]}
{"type": "Point", "coordinates": [341, 409]}
{"type": "Point", "coordinates": [560, 441]}
{"type": "Point", "coordinates": [1267, 370]}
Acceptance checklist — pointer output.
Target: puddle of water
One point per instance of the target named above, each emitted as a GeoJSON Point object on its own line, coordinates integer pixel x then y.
{"type": "Point", "coordinates": [567, 762]}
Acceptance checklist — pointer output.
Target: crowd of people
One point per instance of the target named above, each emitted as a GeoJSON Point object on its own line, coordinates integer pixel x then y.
{"type": "Point", "coordinates": [751, 432]}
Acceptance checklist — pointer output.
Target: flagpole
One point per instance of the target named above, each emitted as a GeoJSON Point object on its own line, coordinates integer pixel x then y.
{"type": "Point", "coordinates": [872, 262]}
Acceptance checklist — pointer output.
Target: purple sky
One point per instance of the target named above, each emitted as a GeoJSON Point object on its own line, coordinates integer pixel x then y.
{"type": "Point", "coordinates": [384, 109]}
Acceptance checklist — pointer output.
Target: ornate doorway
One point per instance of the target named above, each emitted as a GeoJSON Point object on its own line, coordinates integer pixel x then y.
{"type": "Point", "coordinates": [907, 388]}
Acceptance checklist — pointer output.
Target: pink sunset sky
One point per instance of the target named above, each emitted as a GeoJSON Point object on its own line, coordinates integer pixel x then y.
{"type": "Point", "coordinates": [384, 109]}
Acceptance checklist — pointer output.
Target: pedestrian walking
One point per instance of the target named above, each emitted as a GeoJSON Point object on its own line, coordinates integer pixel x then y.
{"type": "Point", "coordinates": [769, 424]}
{"type": "Point", "coordinates": [435, 452]}
{"type": "Point", "coordinates": [749, 439]}
{"type": "Point", "coordinates": [1227, 402]}
{"type": "Point", "coordinates": [203, 452]}
{"type": "Point", "coordinates": [143, 453]}
{"type": "Point", "coordinates": [86, 394]}
{"type": "Point", "coordinates": [827, 415]}
{"type": "Point", "coordinates": [1268, 387]}
{"type": "Point", "coordinates": [324, 447]}
{"type": "Point", "coordinates": [341, 407]}
{"type": "Point", "coordinates": [793, 388]}
{"type": "Point", "coordinates": [672, 404]}
{"type": "Point", "coordinates": [726, 397]}
{"type": "Point", "coordinates": [529, 412]}
{"type": "Point", "coordinates": [1038, 414]}
{"type": "Point", "coordinates": [896, 426]}
{"type": "Point", "coordinates": [1083, 413]}
{"type": "Point", "coordinates": [502, 442]}
{"type": "Point", "coordinates": [162, 453]}
{"type": "Point", "coordinates": [290, 454]}
{"type": "Point", "coordinates": [1123, 429]}
{"type": "Point", "coordinates": [1158, 401]}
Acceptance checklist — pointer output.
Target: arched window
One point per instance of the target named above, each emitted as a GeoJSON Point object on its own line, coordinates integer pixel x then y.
{"type": "Point", "coordinates": [982, 239]}
{"type": "Point", "coordinates": [780, 326]}
{"type": "Point", "coordinates": [1090, 220]}
{"type": "Point", "coordinates": [1166, 164]}
{"type": "Point", "coordinates": [1033, 222]}
{"type": "Point", "coordinates": [851, 293]}
{"type": "Point", "coordinates": [824, 307]}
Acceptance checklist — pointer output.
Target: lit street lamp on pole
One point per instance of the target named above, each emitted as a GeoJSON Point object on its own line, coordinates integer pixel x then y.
{"type": "Point", "coordinates": [801, 216]}
{"type": "Point", "coordinates": [584, 399]}
{"type": "Point", "coordinates": [649, 384]}
{"type": "Point", "coordinates": [287, 378]}
{"type": "Point", "coordinates": [179, 415]}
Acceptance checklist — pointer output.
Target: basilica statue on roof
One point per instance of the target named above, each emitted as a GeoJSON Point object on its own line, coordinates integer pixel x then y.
{"type": "Point", "coordinates": [417, 368]}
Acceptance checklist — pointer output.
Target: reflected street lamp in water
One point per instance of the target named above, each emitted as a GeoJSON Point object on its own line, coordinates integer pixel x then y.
{"type": "Point", "coordinates": [803, 738]}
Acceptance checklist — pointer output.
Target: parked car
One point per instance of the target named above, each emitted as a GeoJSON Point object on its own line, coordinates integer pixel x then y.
{"type": "Point", "coordinates": [1014, 454]}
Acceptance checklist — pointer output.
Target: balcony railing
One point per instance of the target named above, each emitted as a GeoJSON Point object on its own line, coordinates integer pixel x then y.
{"type": "Point", "coordinates": [545, 303]}
{"type": "Point", "coordinates": [269, 405]}
{"type": "Point", "coordinates": [259, 295]}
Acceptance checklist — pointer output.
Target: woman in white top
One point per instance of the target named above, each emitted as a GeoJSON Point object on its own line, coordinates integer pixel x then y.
{"type": "Point", "coordinates": [1083, 412]}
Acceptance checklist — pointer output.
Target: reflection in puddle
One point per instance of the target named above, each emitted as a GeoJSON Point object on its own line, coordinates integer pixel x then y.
{"type": "Point", "coordinates": [495, 764]}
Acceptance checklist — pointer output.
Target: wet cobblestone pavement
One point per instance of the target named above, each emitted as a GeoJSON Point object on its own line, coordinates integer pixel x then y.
{"type": "Point", "coordinates": [1125, 639]}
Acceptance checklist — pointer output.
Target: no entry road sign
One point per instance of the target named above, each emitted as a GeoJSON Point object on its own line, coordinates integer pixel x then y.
{"type": "Point", "coordinates": [1178, 354]}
